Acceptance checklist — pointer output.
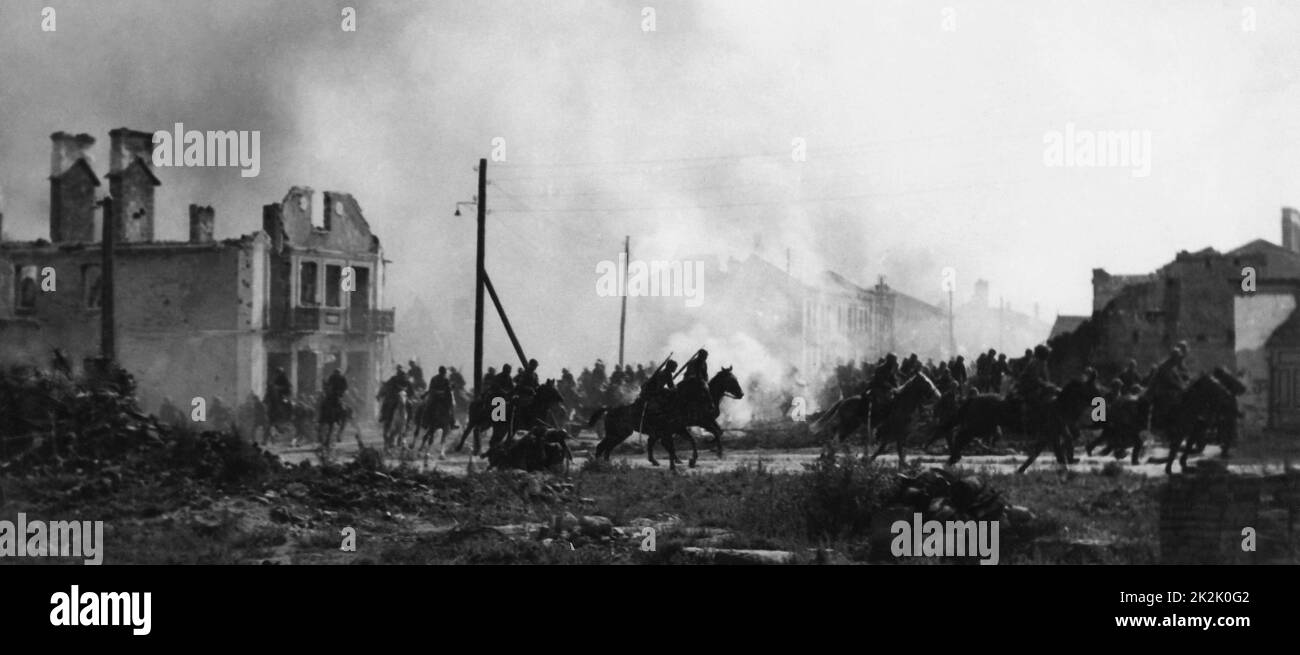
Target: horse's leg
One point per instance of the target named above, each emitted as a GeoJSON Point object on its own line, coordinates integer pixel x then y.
{"type": "Point", "coordinates": [901, 459]}
{"type": "Point", "coordinates": [1174, 440]}
{"type": "Point", "coordinates": [650, 447]}
{"type": "Point", "coordinates": [695, 450]}
{"type": "Point", "coordinates": [1034, 450]}
{"type": "Point", "coordinates": [669, 438]}
{"type": "Point", "coordinates": [881, 444]}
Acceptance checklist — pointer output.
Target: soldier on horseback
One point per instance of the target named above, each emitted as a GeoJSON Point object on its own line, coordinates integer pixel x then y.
{"type": "Point", "coordinates": [500, 384]}
{"type": "Point", "coordinates": [525, 386]}
{"type": "Point", "coordinates": [697, 367]}
{"type": "Point", "coordinates": [1167, 385]}
{"type": "Point", "coordinates": [332, 411]}
{"type": "Point", "coordinates": [417, 377]}
{"type": "Point", "coordinates": [660, 383]}
{"type": "Point", "coordinates": [1035, 382]}
{"type": "Point", "coordinates": [388, 395]}
{"type": "Point", "coordinates": [1130, 376]}
{"type": "Point", "coordinates": [278, 393]}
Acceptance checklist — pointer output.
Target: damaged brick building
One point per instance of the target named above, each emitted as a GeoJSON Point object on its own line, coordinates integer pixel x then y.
{"type": "Point", "coordinates": [1201, 298]}
{"type": "Point", "coordinates": [199, 318]}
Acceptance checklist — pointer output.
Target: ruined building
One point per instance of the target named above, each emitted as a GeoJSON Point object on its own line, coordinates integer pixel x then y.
{"type": "Point", "coordinates": [199, 318]}
{"type": "Point", "coordinates": [1235, 309]}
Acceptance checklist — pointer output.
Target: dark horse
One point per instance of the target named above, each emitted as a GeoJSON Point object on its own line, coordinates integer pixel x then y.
{"type": "Point", "coordinates": [1051, 420]}
{"type": "Point", "coordinates": [515, 413]}
{"type": "Point", "coordinates": [890, 422]}
{"type": "Point", "coordinates": [436, 412]}
{"type": "Point", "coordinates": [692, 404]}
{"type": "Point", "coordinates": [1208, 405]}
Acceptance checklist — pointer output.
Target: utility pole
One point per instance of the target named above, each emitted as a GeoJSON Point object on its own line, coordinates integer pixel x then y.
{"type": "Point", "coordinates": [952, 332]}
{"type": "Point", "coordinates": [622, 318]}
{"type": "Point", "coordinates": [481, 200]}
{"type": "Point", "coordinates": [107, 340]}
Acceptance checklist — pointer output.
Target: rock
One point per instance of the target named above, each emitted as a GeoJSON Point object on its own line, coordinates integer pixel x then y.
{"type": "Point", "coordinates": [596, 526]}
{"type": "Point", "coordinates": [296, 489]}
{"type": "Point", "coordinates": [565, 522]}
{"type": "Point", "coordinates": [1019, 515]}
{"type": "Point", "coordinates": [738, 556]}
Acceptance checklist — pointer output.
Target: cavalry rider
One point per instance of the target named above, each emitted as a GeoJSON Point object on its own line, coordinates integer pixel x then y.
{"type": "Point", "coordinates": [417, 377]}
{"type": "Point", "coordinates": [1167, 384]}
{"type": "Point", "coordinates": [501, 384]}
{"type": "Point", "coordinates": [331, 409]}
{"type": "Point", "coordinates": [660, 385]}
{"type": "Point", "coordinates": [388, 393]}
{"type": "Point", "coordinates": [958, 369]}
{"type": "Point", "coordinates": [1034, 380]}
{"type": "Point", "coordinates": [910, 366]}
{"type": "Point", "coordinates": [278, 393]}
{"type": "Point", "coordinates": [697, 367]}
{"type": "Point", "coordinates": [441, 383]}
{"type": "Point", "coordinates": [526, 384]}
{"type": "Point", "coordinates": [567, 386]}
{"type": "Point", "coordinates": [881, 388]}
{"type": "Point", "coordinates": [457, 382]}
{"type": "Point", "coordinates": [1130, 376]}
{"type": "Point", "coordinates": [997, 371]}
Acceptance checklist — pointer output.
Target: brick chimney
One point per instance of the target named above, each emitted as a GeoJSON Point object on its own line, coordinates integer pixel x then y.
{"type": "Point", "coordinates": [201, 224]}
{"type": "Point", "coordinates": [72, 188]}
{"type": "Point", "coordinates": [1291, 229]}
{"type": "Point", "coordinates": [131, 181]}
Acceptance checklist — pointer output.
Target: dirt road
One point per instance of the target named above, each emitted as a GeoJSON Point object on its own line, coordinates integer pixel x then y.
{"type": "Point", "coordinates": [779, 460]}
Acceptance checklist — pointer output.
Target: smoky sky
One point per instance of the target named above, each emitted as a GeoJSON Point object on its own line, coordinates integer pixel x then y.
{"type": "Point", "coordinates": [924, 126]}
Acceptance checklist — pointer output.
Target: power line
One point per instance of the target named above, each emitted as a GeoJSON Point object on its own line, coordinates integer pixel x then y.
{"type": "Point", "coordinates": [682, 207]}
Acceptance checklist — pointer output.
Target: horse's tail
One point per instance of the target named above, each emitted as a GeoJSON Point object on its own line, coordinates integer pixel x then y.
{"type": "Point", "coordinates": [824, 418]}
{"type": "Point", "coordinates": [596, 417]}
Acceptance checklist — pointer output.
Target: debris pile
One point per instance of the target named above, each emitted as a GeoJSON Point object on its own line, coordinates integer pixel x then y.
{"type": "Point", "coordinates": [48, 417]}
{"type": "Point", "coordinates": [943, 496]}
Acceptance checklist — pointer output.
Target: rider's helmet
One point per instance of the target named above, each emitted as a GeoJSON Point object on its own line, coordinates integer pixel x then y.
{"type": "Point", "coordinates": [505, 368]}
{"type": "Point", "coordinates": [532, 364]}
{"type": "Point", "coordinates": [1041, 351]}
{"type": "Point", "coordinates": [702, 354]}
{"type": "Point", "coordinates": [670, 366]}
{"type": "Point", "coordinates": [442, 370]}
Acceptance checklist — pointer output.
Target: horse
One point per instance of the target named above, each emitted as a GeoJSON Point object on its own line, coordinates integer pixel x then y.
{"type": "Point", "coordinates": [1056, 416]}
{"type": "Point", "coordinates": [697, 405]}
{"type": "Point", "coordinates": [1209, 404]}
{"type": "Point", "coordinates": [689, 405]}
{"type": "Point", "coordinates": [335, 415]}
{"type": "Point", "coordinates": [520, 413]}
{"type": "Point", "coordinates": [394, 418]}
{"type": "Point", "coordinates": [979, 416]}
{"type": "Point", "coordinates": [1126, 416]}
{"type": "Point", "coordinates": [437, 412]}
{"type": "Point", "coordinates": [897, 422]}
{"type": "Point", "coordinates": [850, 414]}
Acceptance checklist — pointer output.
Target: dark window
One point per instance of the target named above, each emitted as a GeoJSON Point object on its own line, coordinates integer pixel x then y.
{"type": "Point", "coordinates": [307, 284]}
{"type": "Point", "coordinates": [91, 286]}
{"type": "Point", "coordinates": [25, 290]}
{"type": "Point", "coordinates": [1200, 338]}
{"type": "Point", "coordinates": [333, 280]}
{"type": "Point", "coordinates": [1135, 336]}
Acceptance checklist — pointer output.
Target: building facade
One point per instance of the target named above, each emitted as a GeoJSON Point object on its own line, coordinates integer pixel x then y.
{"type": "Point", "coordinates": [202, 318]}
